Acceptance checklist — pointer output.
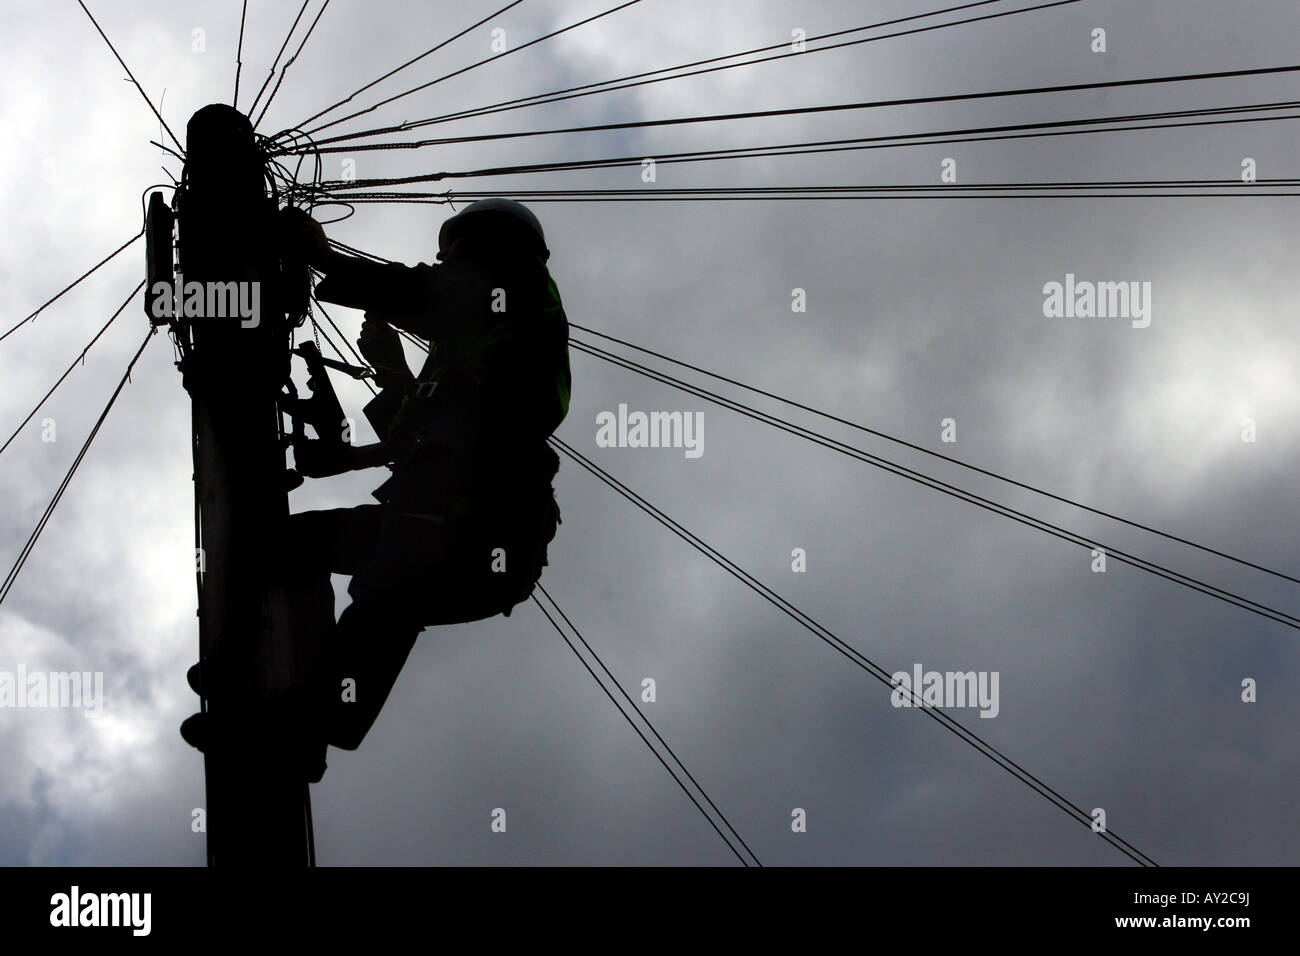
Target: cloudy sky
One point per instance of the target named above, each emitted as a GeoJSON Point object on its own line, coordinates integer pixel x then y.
{"type": "Point", "coordinates": [1119, 689]}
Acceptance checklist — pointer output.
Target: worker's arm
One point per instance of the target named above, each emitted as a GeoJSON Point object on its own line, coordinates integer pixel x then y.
{"type": "Point", "coordinates": [382, 348]}
{"type": "Point", "coordinates": [317, 459]}
{"type": "Point", "coordinates": [408, 297]}
{"type": "Point", "coordinates": [372, 456]}
{"type": "Point", "coordinates": [389, 291]}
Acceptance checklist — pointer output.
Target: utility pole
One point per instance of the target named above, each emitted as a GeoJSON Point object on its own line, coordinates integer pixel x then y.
{"type": "Point", "coordinates": [234, 367]}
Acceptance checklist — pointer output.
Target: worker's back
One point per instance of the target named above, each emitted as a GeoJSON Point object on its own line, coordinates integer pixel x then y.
{"type": "Point", "coordinates": [494, 386]}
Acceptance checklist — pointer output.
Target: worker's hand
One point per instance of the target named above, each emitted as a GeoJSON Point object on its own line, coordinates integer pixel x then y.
{"type": "Point", "coordinates": [382, 348]}
{"type": "Point", "coordinates": [320, 459]}
{"type": "Point", "coordinates": [303, 236]}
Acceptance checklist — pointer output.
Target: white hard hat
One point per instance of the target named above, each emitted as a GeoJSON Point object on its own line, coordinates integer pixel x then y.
{"type": "Point", "coordinates": [507, 206]}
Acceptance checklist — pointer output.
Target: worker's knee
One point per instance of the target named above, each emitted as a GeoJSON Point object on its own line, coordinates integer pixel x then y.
{"type": "Point", "coordinates": [349, 738]}
{"type": "Point", "coordinates": [336, 540]}
{"type": "Point", "coordinates": [455, 571]}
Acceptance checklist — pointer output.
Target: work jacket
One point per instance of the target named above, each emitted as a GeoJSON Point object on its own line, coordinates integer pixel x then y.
{"type": "Point", "coordinates": [470, 432]}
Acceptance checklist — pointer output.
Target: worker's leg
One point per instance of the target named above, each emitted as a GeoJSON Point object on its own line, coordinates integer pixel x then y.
{"type": "Point", "coordinates": [313, 545]}
{"type": "Point", "coordinates": [318, 544]}
{"type": "Point", "coordinates": [367, 649]}
{"type": "Point", "coordinates": [338, 540]}
{"type": "Point", "coordinates": [421, 573]}
{"type": "Point", "coordinates": [375, 633]}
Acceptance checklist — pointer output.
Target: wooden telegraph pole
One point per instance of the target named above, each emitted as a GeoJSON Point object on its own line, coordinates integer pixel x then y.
{"type": "Point", "coordinates": [258, 811]}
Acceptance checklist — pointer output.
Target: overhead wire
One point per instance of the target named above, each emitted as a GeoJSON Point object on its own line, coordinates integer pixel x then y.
{"type": "Point", "coordinates": [856, 657]}
{"type": "Point", "coordinates": [7, 586]}
{"type": "Point", "coordinates": [284, 70]}
{"type": "Point", "coordinates": [1117, 190]}
{"type": "Point", "coordinates": [589, 89]}
{"type": "Point", "coordinates": [1222, 594]}
{"type": "Point", "coordinates": [634, 710]}
{"type": "Point", "coordinates": [239, 55]}
{"type": "Point", "coordinates": [132, 78]}
{"type": "Point", "coordinates": [814, 110]}
{"type": "Point", "coordinates": [167, 149]}
{"type": "Point", "coordinates": [475, 65]}
{"type": "Point", "coordinates": [854, 144]}
{"type": "Point", "coordinates": [73, 284]}
{"type": "Point", "coordinates": [276, 61]}
{"type": "Point", "coordinates": [434, 49]}
{"type": "Point", "coordinates": [356, 252]}
{"type": "Point", "coordinates": [75, 362]}
{"type": "Point", "coordinates": [1271, 106]}
{"type": "Point", "coordinates": [311, 829]}
{"type": "Point", "coordinates": [1074, 503]}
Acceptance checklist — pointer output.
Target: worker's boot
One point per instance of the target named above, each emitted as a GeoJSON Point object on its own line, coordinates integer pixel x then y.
{"type": "Point", "coordinates": [199, 681]}
{"type": "Point", "coordinates": [194, 677]}
{"type": "Point", "coordinates": [194, 729]}
{"type": "Point", "coordinates": [300, 737]}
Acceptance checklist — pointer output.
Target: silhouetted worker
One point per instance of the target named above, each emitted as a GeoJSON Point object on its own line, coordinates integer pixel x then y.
{"type": "Point", "coordinates": [462, 525]}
